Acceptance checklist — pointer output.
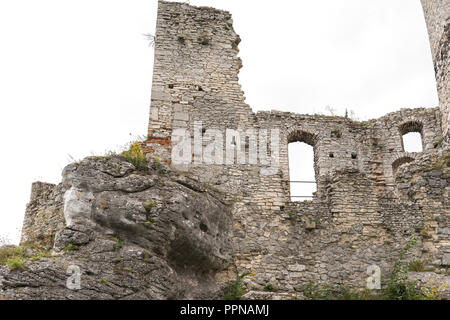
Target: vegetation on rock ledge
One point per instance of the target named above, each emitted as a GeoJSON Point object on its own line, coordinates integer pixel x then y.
{"type": "Point", "coordinates": [136, 156]}
{"type": "Point", "coordinates": [15, 257]}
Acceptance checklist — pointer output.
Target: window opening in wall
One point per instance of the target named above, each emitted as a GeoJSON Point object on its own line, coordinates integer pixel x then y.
{"type": "Point", "coordinates": [412, 142]}
{"type": "Point", "coordinates": [412, 136]}
{"type": "Point", "coordinates": [301, 171]}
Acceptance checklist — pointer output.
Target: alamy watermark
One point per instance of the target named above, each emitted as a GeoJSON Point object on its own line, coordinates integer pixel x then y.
{"type": "Point", "coordinates": [227, 147]}
{"type": "Point", "coordinates": [74, 281]}
{"type": "Point", "coordinates": [374, 279]}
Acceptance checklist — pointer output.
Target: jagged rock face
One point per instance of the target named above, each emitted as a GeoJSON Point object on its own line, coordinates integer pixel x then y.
{"type": "Point", "coordinates": [134, 235]}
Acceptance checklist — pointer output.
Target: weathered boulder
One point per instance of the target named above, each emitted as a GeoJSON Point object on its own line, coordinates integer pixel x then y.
{"type": "Point", "coordinates": [133, 235]}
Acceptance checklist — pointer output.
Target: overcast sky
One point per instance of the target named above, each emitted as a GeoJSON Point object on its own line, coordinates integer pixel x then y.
{"type": "Point", "coordinates": [75, 76]}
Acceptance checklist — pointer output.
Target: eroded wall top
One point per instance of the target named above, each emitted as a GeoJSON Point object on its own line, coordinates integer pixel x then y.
{"type": "Point", "coordinates": [437, 16]}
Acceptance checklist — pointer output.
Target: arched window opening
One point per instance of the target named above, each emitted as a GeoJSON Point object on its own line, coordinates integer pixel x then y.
{"type": "Point", "coordinates": [412, 140]}
{"type": "Point", "coordinates": [302, 174]}
{"type": "Point", "coordinates": [301, 171]}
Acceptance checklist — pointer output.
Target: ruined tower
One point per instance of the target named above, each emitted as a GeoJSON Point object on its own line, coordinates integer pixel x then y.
{"type": "Point", "coordinates": [437, 16]}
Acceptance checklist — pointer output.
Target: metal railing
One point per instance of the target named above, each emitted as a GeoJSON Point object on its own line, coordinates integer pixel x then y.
{"type": "Point", "coordinates": [315, 182]}
{"type": "Point", "coordinates": [303, 182]}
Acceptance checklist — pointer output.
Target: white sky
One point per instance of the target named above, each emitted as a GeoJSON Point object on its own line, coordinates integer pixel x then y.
{"type": "Point", "coordinates": [75, 76]}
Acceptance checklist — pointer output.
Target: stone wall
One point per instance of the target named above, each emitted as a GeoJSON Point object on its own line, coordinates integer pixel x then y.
{"type": "Point", "coordinates": [362, 213]}
{"type": "Point", "coordinates": [195, 74]}
{"type": "Point", "coordinates": [437, 16]}
{"type": "Point", "coordinates": [44, 214]}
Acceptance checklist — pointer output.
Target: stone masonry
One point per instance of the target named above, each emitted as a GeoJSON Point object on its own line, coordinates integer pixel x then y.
{"type": "Point", "coordinates": [364, 210]}
{"type": "Point", "coordinates": [437, 16]}
{"type": "Point", "coordinates": [171, 231]}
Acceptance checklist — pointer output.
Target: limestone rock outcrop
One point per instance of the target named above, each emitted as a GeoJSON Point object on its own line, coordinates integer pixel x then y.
{"type": "Point", "coordinates": [133, 235]}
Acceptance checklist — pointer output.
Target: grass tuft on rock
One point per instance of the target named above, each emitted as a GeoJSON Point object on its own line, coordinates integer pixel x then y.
{"type": "Point", "coordinates": [136, 156]}
{"type": "Point", "coordinates": [13, 257]}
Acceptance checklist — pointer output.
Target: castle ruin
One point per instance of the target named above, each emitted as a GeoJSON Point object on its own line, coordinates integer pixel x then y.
{"type": "Point", "coordinates": [371, 194]}
{"type": "Point", "coordinates": [171, 231]}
